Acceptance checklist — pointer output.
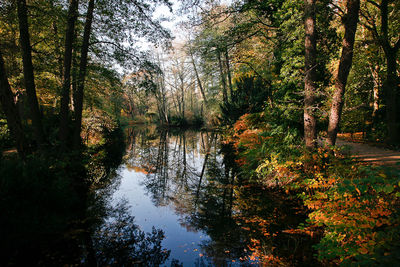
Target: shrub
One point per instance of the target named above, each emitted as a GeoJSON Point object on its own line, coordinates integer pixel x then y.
{"type": "Point", "coordinates": [5, 136]}
{"type": "Point", "coordinates": [356, 206]}
{"type": "Point", "coordinates": [249, 97]}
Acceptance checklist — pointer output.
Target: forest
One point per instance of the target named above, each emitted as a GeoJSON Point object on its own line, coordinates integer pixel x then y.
{"type": "Point", "coordinates": [259, 91]}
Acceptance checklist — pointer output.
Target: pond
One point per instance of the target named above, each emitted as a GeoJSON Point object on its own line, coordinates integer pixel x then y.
{"type": "Point", "coordinates": [187, 184]}
{"type": "Point", "coordinates": [179, 183]}
{"type": "Point", "coordinates": [147, 197]}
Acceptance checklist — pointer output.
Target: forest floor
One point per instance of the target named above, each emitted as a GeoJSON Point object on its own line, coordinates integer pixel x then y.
{"type": "Point", "coordinates": [369, 154]}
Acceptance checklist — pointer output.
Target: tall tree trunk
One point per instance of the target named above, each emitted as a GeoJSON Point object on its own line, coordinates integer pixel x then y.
{"type": "Point", "coordinates": [163, 94]}
{"type": "Point", "coordinates": [160, 107]}
{"type": "Point", "coordinates": [182, 95]}
{"type": "Point", "coordinates": [198, 77]}
{"type": "Point", "coordinates": [222, 75]}
{"type": "Point", "coordinates": [391, 84]}
{"type": "Point", "coordinates": [350, 25]}
{"type": "Point", "coordinates": [58, 52]}
{"type": "Point", "coordinates": [159, 101]}
{"type": "Point", "coordinates": [310, 87]}
{"type": "Point", "coordinates": [82, 74]}
{"type": "Point", "coordinates": [177, 104]}
{"type": "Point", "coordinates": [391, 89]}
{"type": "Point", "coordinates": [74, 78]}
{"type": "Point", "coordinates": [228, 71]}
{"type": "Point", "coordinates": [65, 92]}
{"type": "Point", "coordinates": [11, 110]}
{"type": "Point", "coordinates": [29, 77]}
{"type": "Point", "coordinates": [183, 100]}
{"type": "Point", "coordinates": [57, 49]}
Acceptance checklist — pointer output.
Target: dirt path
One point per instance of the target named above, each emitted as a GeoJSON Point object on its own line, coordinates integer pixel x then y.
{"type": "Point", "coordinates": [371, 154]}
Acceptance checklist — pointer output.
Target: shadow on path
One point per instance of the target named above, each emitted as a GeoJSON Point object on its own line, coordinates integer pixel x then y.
{"type": "Point", "coordinates": [371, 154]}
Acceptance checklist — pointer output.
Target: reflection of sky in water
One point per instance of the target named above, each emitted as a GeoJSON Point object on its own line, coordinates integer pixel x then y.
{"type": "Point", "coordinates": [183, 244]}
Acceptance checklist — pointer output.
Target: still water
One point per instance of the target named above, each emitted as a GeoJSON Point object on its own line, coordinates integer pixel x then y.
{"type": "Point", "coordinates": [147, 198]}
{"type": "Point", "coordinates": [181, 184]}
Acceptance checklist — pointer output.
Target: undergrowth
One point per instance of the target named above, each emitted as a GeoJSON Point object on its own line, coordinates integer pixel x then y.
{"type": "Point", "coordinates": [351, 208]}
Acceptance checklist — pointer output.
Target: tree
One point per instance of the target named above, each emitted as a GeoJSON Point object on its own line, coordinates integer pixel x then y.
{"type": "Point", "coordinates": [181, 80]}
{"type": "Point", "coordinates": [199, 82]}
{"type": "Point", "coordinates": [78, 101]}
{"type": "Point", "coordinates": [69, 40]}
{"type": "Point", "coordinates": [11, 111]}
{"type": "Point", "coordinates": [350, 25]}
{"type": "Point", "coordinates": [29, 77]}
{"type": "Point", "coordinates": [116, 24]}
{"type": "Point", "coordinates": [391, 84]}
{"type": "Point", "coordinates": [310, 87]}
{"type": "Point", "coordinates": [222, 76]}
{"type": "Point", "coordinates": [159, 91]}
{"type": "Point", "coordinates": [213, 41]}
{"type": "Point", "coordinates": [386, 37]}
{"type": "Point", "coordinates": [228, 72]}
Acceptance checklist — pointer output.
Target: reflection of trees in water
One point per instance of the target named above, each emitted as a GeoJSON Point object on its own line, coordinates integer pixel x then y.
{"type": "Point", "coordinates": [190, 173]}
{"type": "Point", "coordinates": [113, 239]}
{"type": "Point", "coordinates": [141, 147]}
{"type": "Point", "coordinates": [120, 242]}
{"type": "Point", "coordinates": [170, 162]}
{"type": "Point", "coordinates": [198, 175]}
{"type": "Point", "coordinates": [111, 236]}
{"type": "Point", "coordinates": [150, 156]}
{"type": "Point", "coordinates": [213, 213]}
{"type": "Point", "coordinates": [60, 216]}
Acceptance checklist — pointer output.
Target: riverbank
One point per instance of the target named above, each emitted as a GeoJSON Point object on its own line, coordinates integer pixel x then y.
{"type": "Point", "coordinates": [353, 208]}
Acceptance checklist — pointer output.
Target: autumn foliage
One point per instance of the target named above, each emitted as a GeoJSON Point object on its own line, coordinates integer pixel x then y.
{"type": "Point", "coordinates": [358, 208]}
{"type": "Point", "coordinates": [352, 209]}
